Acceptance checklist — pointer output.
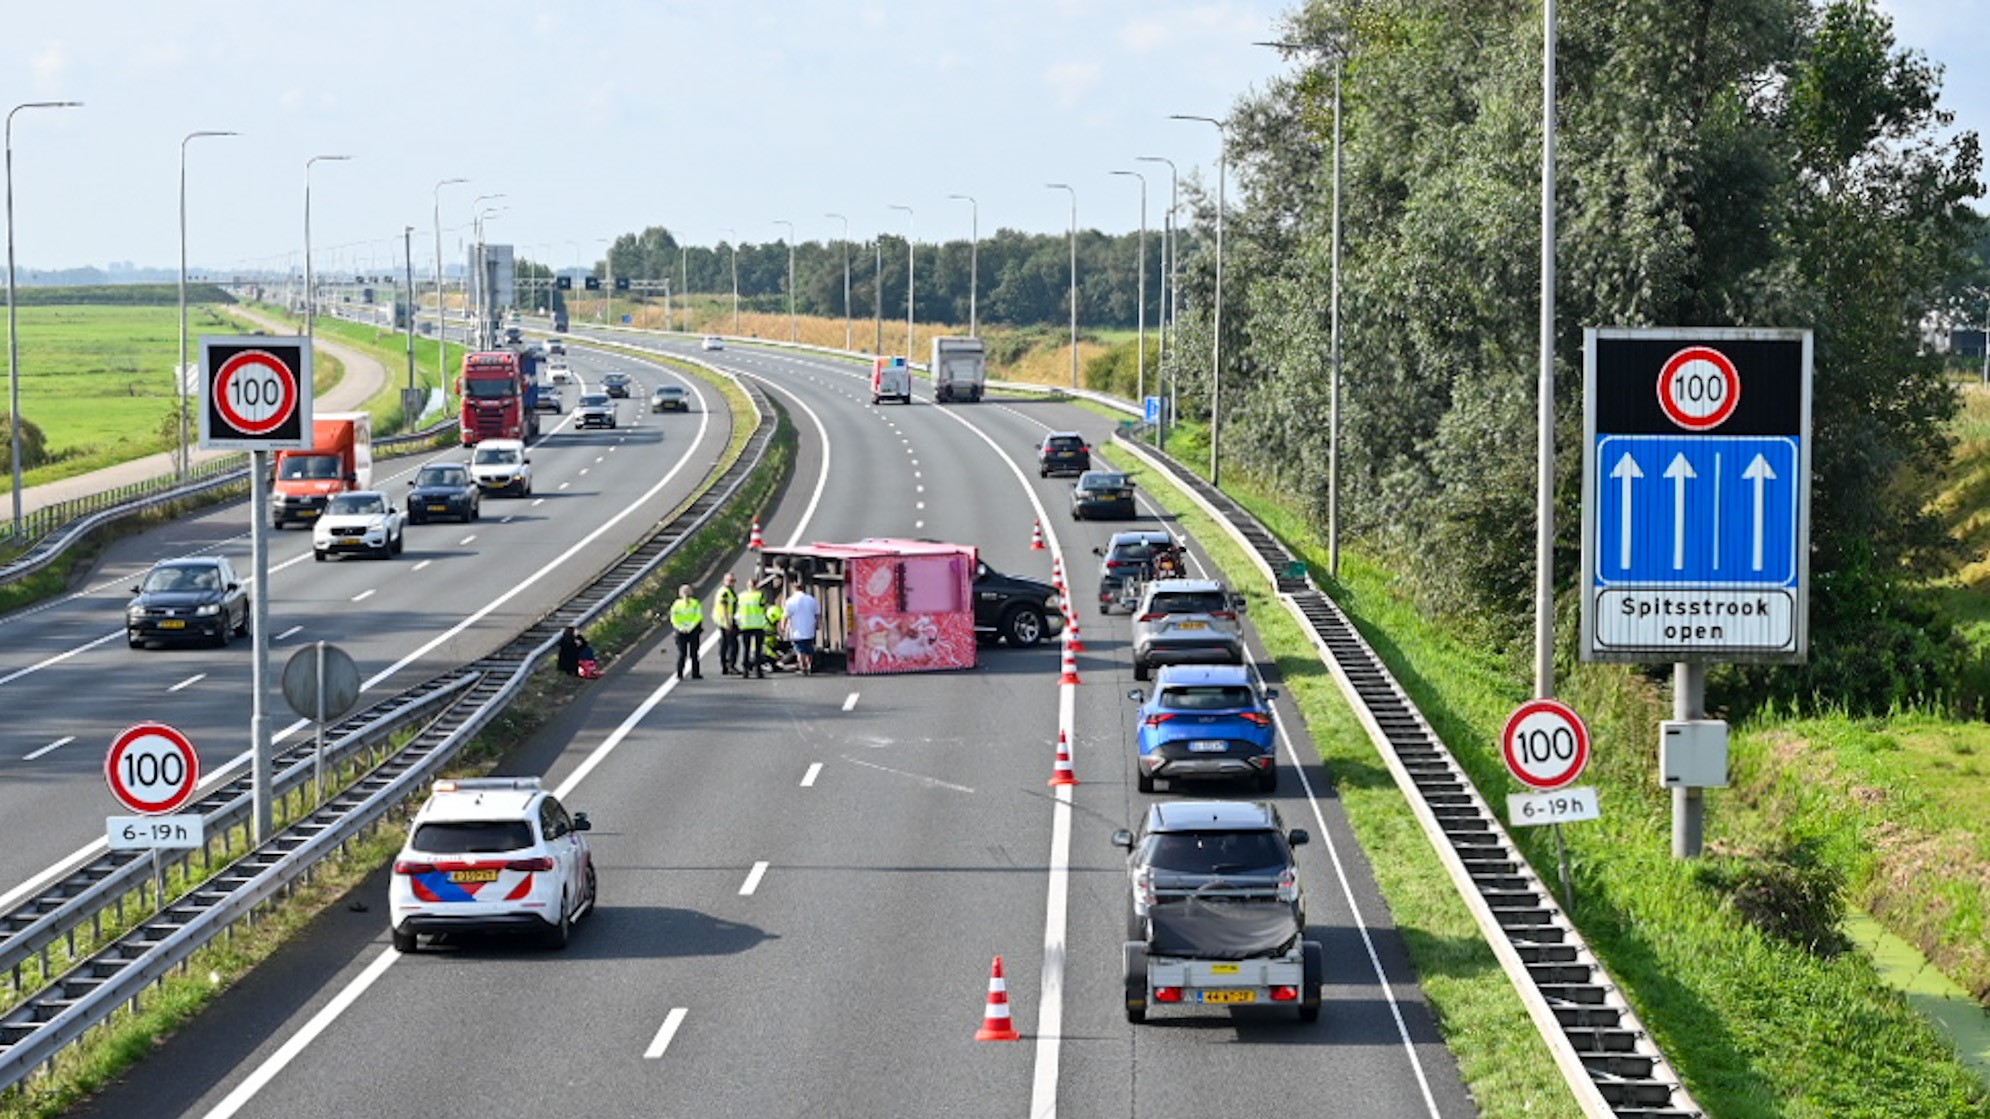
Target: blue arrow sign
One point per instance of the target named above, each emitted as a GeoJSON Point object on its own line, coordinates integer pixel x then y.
{"type": "Point", "coordinates": [1696, 510]}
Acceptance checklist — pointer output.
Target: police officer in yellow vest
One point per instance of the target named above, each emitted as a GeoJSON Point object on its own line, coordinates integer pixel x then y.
{"type": "Point", "coordinates": [752, 618]}
{"type": "Point", "coordinates": [772, 657]}
{"type": "Point", "coordinates": [725, 615]}
{"type": "Point", "coordinates": [687, 618]}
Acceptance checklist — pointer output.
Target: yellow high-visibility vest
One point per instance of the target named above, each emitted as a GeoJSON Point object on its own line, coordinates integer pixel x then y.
{"type": "Point", "coordinates": [752, 610]}
{"type": "Point", "coordinates": [686, 615]}
{"type": "Point", "coordinates": [724, 606]}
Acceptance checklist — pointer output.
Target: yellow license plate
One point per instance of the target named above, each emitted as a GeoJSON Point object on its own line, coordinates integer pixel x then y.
{"type": "Point", "coordinates": [490, 875]}
{"type": "Point", "coordinates": [1190, 625]}
{"type": "Point", "coordinates": [1229, 996]}
{"type": "Point", "coordinates": [438, 508]}
{"type": "Point", "coordinates": [172, 623]}
{"type": "Point", "coordinates": [1225, 969]}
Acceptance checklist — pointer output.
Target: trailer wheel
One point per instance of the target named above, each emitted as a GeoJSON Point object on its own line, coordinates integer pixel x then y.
{"type": "Point", "coordinates": [1134, 968]}
{"type": "Point", "coordinates": [1316, 976]}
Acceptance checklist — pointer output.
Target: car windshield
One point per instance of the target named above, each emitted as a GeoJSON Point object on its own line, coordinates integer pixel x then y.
{"type": "Point", "coordinates": [1205, 697]}
{"type": "Point", "coordinates": [309, 467]}
{"type": "Point", "coordinates": [1135, 550]}
{"type": "Point", "coordinates": [1218, 852]}
{"type": "Point", "coordinates": [1097, 480]}
{"type": "Point", "coordinates": [593, 398]}
{"type": "Point", "coordinates": [363, 504]}
{"type": "Point", "coordinates": [496, 456]}
{"type": "Point", "coordinates": [442, 476]}
{"type": "Point", "coordinates": [472, 837]}
{"type": "Point", "coordinates": [1187, 602]}
{"type": "Point", "coordinates": [669, 390]}
{"type": "Point", "coordinates": [183, 579]}
{"type": "Point", "coordinates": [614, 378]}
{"type": "Point", "coordinates": [1064, 443]}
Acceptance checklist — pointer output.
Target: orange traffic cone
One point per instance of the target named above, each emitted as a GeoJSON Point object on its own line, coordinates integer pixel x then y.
{"type": "Point", "coordinates": [1061, 773]}
{"type": "Point", "coordinates": [1073, 638]}
{"type": "Point", "coordinates": [1070, 666]}
{"type": "Point", "coordinates": [995, 1022]}
{"type": "Point", "coordinates": [1036, 536]}
{"type": "Point", "coordinates": [754, 542]}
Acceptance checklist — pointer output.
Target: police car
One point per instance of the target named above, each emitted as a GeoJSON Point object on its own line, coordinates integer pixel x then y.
{"type": "Point", "coordinates": [491, 854]}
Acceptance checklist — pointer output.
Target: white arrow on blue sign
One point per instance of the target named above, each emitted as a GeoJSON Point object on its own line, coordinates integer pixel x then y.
{"type": "Point", "coordinates": [1695, 510]}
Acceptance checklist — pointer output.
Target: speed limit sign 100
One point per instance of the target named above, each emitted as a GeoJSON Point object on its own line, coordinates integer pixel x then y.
{"type": "Point", "coordinates": [1545, 744]}
{"type": "Point", "coordinates": [257, 393]}
{"type": "Point", "coordinates": [152, 768]}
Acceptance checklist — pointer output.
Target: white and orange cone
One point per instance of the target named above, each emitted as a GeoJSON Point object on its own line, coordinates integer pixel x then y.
{"type": "Point", "coordinates": [1070, 666]}
{"type": "Point", "coordinates": [1036, 536]}
{"type": "Point", "coordinates": [1073, 638]}
{"type": "Point", "coordinates": [996, 1024]}
{"type": "Point", "coordinates": [1061, 773]}
{"type": "Point", "coordinates": [754, 543]}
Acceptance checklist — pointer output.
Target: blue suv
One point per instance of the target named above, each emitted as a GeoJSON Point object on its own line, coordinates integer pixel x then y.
{"type": "Point", "coordinates": [1206, 722]}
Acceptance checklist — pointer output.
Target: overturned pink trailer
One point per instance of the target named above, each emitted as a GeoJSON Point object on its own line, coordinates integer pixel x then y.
{"type": "Point", "coordinates": [887, 605]}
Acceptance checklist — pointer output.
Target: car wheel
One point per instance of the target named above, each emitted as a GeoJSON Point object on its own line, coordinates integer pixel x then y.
{"type": "Point", "coordinates": [224, 635]}
{"type": "Point", "coordinates": [1142, 670]}
{"type": "Point", "coordinates": [248, 616]}
{"type": "Point", "coordinates": [1077, 514]}
{"type": "Point", "coordinates": [1136, 926]}
{"type": "Point", "coordinates": [1023, 625]}
{"type": "Point", "coordinates": [404, 942]}
{"type": "Point", "coordinates": [400, 542]}
{"type": "Point", "coordinates": [558, 935]}
{"type": "Point", "coordinates": [1268, 780]}
{"type": "Point", "coordinates": [1315, 977]}
{"type": "Point", "coordinates": [134, 641]}
{"type": "Point", "coordinates": [1133, 967]}
{"type": "Point", "coordinates": [318, 555]}
{"type": "Point", "coordinates": [1145, 781]}
{"type": "Point", "coordinates": [413, 519]}
{"type": "Point", "coordinates": [593, 890]}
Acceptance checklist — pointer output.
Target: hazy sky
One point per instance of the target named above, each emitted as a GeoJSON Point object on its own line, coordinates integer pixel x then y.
{"type": "Point", "coordinates": [599, 117]}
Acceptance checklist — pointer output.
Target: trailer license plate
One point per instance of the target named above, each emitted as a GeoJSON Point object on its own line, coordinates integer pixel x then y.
{"type": "Point", "coordinates": [1229, 996]}
{"type": "Point", "coordinates": [1208, 746]}
{"type": "Point", "coordinates": [484, 875]}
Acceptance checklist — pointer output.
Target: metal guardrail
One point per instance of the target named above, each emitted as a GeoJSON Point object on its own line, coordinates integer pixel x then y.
{"type": "Point", "coordinates": [1604, 1052]}
{"type": "Point", "coordinates": [65, 1008]}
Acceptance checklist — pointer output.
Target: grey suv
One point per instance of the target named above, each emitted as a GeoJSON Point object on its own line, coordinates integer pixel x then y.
{"type": "Point", "coordinates": [1128, 555]}
{"type": "Point", "coordinates": [1206, 850]}
{"type": "Point", "coordinates": [1186, 621]}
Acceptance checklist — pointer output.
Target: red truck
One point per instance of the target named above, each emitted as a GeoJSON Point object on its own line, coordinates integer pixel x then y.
{"type": "Point", "coordinates": [497, 389]}
{"type": "Point", "coordinates": [339, 459]}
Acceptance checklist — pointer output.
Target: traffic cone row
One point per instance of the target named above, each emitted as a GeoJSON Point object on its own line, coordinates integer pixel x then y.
{"type": "Point", "coordinates": [755, 543]}
{"type": "Point", "coordinates": [1074, 640]}
{"type": "Point", "coordinates": [1070, 666]}
{"type": "Point", "coordinates": [1036, 536]}
{"type": "Point", "coordinates": [1061, 772]}
{"type": "Point", "coordinates": [996, 1024]}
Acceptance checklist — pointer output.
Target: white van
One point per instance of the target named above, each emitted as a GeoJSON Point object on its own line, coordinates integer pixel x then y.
{"type": "Point", "coordinates": [891, 379]}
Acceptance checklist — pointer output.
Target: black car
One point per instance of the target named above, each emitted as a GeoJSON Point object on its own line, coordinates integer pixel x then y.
{"type": "Point", "coordinates": [546, 398]}
{"type": "Point", "coordinates": [444, 489]}
{"type": "Point", "coordinates": [1100, 495]}
{"type": "Point", "coordinates": [1019, 611]}
{"type": "Point", "coordinates": [197, 598]}
{"type": "Point", "coordinates": [615, 384]}
{"type": "Point", "coordinates": [1128, 555]}
{"type": "Point", "coordinates": [1063, 452]}
{"type": "Point", "coordinates": [1189, 849]}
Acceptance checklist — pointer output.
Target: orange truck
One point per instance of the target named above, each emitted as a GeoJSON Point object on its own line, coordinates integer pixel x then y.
{"type": "Point", "coordinates": [339, 459]}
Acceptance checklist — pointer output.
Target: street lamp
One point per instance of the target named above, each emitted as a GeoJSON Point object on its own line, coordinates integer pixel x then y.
{"type": "Point", "coordinates": [1170, 289]}
{"type": "Point", "coordinates": [180, 369]}
{"type": "Point", "coordinates": [1142, 364]}
{"type": "Point", "coordinates": [909, 262]}
{"type": "Point", "coordinates": [732, 242]}
{"type": "Point", "coordinates": [791, 275]}
{"type": "Point", "coordinates": [846, 277]}
{"type": "Point", "coordinates": [973, 260]}
{"type": "Point", "coordinates": [1074, 276]}
{"type": "Point", "coordinates": [1216, 317]}
{"type": "Point", "coordinates": [473, 293]}
{"type": "Point", "coordinates": [877, 297]}
{"type": "Point", "coordinates": [13, 327]}
{"type": "Point", "coordinates": [310, 295]}
{"type": "Point", "coordinates": [608, 270]}
{"type": "Point", "coordinates": [441, 318]}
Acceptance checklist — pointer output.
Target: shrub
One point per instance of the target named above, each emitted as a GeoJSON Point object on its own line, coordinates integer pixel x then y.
{"type": "Point", "coordinates": [1788, 894]}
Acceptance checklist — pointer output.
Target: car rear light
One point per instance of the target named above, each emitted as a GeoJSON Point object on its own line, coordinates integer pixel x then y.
{"type": "Point", "coordinates": [1258, 718]}
{"type": "Point", "coordinates": [1288, 886]}
{"type": "Point", "coordinates": [1143, 886]}
{"type": "Point", "coordinates": [540, 863]}
{"type": "Point", "coordinates": [1167, 994]}
{"type": "Point", "coordinates": [1226, 615]}
{"type": "Point", "coordinates": [409, 866]}
{"type": "Point", "coordinates": [1285, 994]}
{"type": "Point", "coordinates": [1118, 563]}
{"type": "Point", "coordinates": [1153, 616]}
{"type": "Point", "coordinates": [1157, 719]}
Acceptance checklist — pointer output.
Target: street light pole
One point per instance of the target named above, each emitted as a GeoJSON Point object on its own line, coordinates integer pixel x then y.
{"type": "Point", "coordinates": [732, 240]}
{"type": "Point", "coordinates": [973, 261]}
{"type": "Point", "coordinates": [13, 325]}
{"type": "Point", "coordinates": [441, 316]}
{"type": "Point", "coordinates": [408, 256]}
{"type": "Point", "coordinates": [181, 457]}
{"type": "Point", "coordinates": [909, 272]}
{"type": "Point", "coordinates": [791, 276]}
{"type": "Point", "coordinates": [684, 279]}
{"type": "Point", "coordinates": [1142, 364]}
{"type": "Point", "coordinates": [1216, 323]}
{"type": "Point", "coordinates": [1169, 290]}
{"type": "Point", "coordinates": [310, 295]}
{"type": "Point", "coordinates": [608, 271]}
{"type": "Point", "coordinates": [846, 277]}
{"type": "Point", "coordinates": [473, 293]}
{"type": "Point", "coordinates": [1074, 276]}
{"type": "Point", "coordinates": [877, 298]}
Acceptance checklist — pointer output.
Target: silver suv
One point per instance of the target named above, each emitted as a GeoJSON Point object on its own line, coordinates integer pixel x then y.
{"type": "Point", "coordinates": [1203, 848]}
{"type": "Point", "coordinates": [1186, 621]}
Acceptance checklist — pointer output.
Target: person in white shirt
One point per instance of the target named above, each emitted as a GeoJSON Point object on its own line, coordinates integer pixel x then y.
{"type": "Point", "coordinates": [800, 615]}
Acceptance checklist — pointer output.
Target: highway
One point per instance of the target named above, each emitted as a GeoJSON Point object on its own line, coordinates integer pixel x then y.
{"type": "Point", "coordinates": [804, 879]}
{"type": "Point", "coordinates": [68, 682]}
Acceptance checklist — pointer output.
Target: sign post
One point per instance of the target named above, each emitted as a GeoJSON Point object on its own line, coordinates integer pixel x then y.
{"type": "Point", "coordinates": [256, 396]}
{"type": "Point", "coordinates": [1695, 509]}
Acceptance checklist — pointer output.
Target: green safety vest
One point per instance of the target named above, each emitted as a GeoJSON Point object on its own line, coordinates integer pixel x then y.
{"type": "Point", "coordinates": [774, 615]}
{"type": "Point", "coordinates": [686, 615]}
{"type": "Point", "coordinates": [752, 611]}
{"type": "Point", "coordinates": [725, 606]}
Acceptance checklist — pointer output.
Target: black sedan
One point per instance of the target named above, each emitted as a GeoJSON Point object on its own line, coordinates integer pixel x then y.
{"type": "Point", "coordinates": [615, 384]}
{"type": "Point", "coordinates": [1063, 452]}
{"type": "Point", "coordinates": [197, 598]}
{"type": "Point", "coordinates": [444, 489]}
{"type": "Point", "coordinates": [1100, 495]}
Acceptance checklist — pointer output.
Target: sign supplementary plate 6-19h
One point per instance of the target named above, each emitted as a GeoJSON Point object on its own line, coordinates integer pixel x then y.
{"type": "Point", "coordinates": [1696, 495]}
{"type": "Point", "coordinates": [152, 768]}
{"type": "Point", "coordinates": [1545, 743]}
{"type": "Point", "coordinates": [255, 393]}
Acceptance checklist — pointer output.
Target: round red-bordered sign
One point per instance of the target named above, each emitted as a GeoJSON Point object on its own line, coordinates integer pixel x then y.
{"type": "Point", "coordinates": [254, 392]}
{"type": "Point", "coordinates": [1699, 388]}
{"type": "Point", "coordinates": [152, 768]}
{"type": "Point", "coordinates": [1545, 743]}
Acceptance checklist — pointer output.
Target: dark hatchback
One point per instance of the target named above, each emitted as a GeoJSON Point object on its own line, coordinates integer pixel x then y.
{"type": "Point", "coordinates": [1127, 555]}
{"type": "Point", "coordinates": [198, 598]}
{"type": "Point", "coordinates": [444, 489]}
{"type": "Point", "coordinates": [615, 384]}
{"type": "Point", "coordinates": [1063, 452]}
{"type": "Point", "coordinates": [1100, 495]}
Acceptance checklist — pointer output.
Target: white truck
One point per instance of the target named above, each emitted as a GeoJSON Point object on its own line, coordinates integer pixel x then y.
{"type": "Point", "coordinates": [959, 369]}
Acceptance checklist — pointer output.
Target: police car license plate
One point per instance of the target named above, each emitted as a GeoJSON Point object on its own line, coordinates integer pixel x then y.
{"type": "Point", "coordinates": [1229, 996]}
{"type": "Point", "coordinates": [172, 623]}
{"type": "Point", "coordinates": [1207, 746]}
{"type": "Point", "coordinates": [486, 874]}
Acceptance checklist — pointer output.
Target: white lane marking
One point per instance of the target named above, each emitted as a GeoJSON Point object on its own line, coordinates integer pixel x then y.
{"type": "Point", "coordinates": [918, 524]}
{"type": "Point", "coordinates": [918, 505]}
{"type": "Point", "coordinates": [466, 539]}
{"type": "Point", "coordinates": [421, 565]}
{"type": "Point", "coordinates": [537, 502]}
{"type": "Point", "coordinates": [917, 474]}
{"type": "Point", "coordinates": [814, 771]}
{"type": "Point", "coordinates": [598, 459]}
{"type": "Point", "coordinates": [365, 594]}
{"type": "Point", "coordinates": [188, 682]}
{"type": "Point", "coordinates": [920, 488]}
{"type": "Point", "coordinates": [753, 878]}
{"type": "Point", "coordinates": [295, 629]}
{"type": "Point", "coordinates": [265, 1072]}
{"type": "Point", "coordinates": [671, 1021]}
{"type": "Point", "coordinates": [59, 744]}
{"type": "Point", "coordinates": [58, 658]}
{"type": "Point", "coordinates": [508, 519]}
{"type": "Point", "coordinates": [564, 485]}
{"type": "Point", "coordinates": [850, 702]}
{"type": "Point", "coordinates": [934, 782]}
